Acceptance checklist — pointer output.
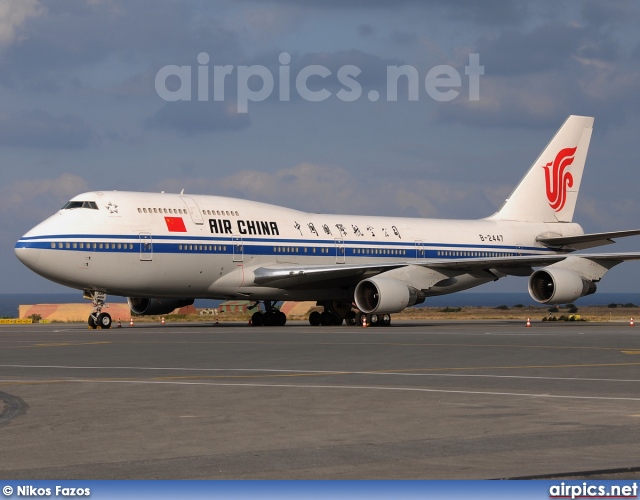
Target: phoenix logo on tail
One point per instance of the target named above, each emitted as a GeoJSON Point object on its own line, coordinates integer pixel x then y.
{"type": "Point", "coordinates": [558, 180]}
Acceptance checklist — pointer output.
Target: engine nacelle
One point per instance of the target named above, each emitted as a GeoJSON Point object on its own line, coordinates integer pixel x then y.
{"type": "Point", "coordinates": [150, 307]}
{"type": "Point", "coordinates": [385, 295]}
{"type": "Point", "coordinates": [553, 285]}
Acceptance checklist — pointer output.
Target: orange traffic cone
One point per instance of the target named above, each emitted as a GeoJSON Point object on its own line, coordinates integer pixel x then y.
{"type": "Point", "coordinates": [631, 322]}
{"type": "Point", "coordinates": [162, 321]}
{"type": "Point", "coordinates": [364, 321]}
{"type": "Point", "coordinates": [250, 324]}
{"type": "Point", "coordinates": [119, 323]}
{"type": "Point", "coordinates": [528, 322]}
{"type": "Point", "coordinates": [131, 322]}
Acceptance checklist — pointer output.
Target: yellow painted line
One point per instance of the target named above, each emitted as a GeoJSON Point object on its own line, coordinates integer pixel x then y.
{"type": "Point", "coordinates": [31, 382]}
{"type": "Point", "coordinates": [56, 344]}
{"type": "Point", "coordinates": [68, 381]}
{"type": "Point", "coordinates": [630, 352]}
{"type": "Point", "coordinates": [283, 375]}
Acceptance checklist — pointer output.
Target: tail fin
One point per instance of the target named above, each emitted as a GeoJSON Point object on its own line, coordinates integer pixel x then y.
{"type": "Point", "coordinates": [549, 191]}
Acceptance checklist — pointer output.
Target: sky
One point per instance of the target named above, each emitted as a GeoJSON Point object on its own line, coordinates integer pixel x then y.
{"type": "Point", "coordinates": [132, 95]}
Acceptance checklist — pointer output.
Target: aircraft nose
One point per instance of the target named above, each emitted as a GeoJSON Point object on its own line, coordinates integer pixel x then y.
{"type": "Point", "coordinates": [28, 256]}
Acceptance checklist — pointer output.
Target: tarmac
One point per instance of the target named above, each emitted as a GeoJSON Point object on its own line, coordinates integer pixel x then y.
{"type": "Point", "coordinates": [416, 400]}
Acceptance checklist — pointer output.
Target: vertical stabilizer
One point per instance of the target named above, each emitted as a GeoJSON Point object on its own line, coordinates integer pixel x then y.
{"type": "Point", "coordinates": [549, 191]}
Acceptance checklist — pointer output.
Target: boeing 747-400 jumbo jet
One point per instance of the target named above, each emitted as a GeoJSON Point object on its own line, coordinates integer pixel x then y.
{"type": "Point", "coordinates": [165, 250]}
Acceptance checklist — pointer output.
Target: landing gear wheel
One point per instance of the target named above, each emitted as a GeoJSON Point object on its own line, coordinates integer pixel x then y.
{"type": "Point", "coordinates": [281, 318]}
{"type": "Point", "coordinates": [358, 319]}
{"type": "Point", "coordinates": [314, 318]}
{"type": "Point", "coordinates": [373, 319]}
{"type": "Point", "coordinates": [336, 320]}
{"type": "Point", "coordinates": [98, 319]}
{"type": "Point", "coordinates": [326, 318]}
{"type": "Point", "coordinates": [270, 319]}
{"type": "Point", "coordinates": [257, 319]}
{"type": "Point", "coordinates": [385, 320]}
{"type": "Point", "coordinates": [104, 321]}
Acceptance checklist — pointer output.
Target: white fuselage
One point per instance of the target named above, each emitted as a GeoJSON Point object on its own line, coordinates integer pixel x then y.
{"type": "Point", "coordinates": [170, 245]}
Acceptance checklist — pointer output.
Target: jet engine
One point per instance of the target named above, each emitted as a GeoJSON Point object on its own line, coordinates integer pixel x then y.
{"type": "Point", "coordinates": [150, 307]}
{"type": "Point", "coordinates": [385, 295]}
{"type": "Point", "coordinates": [553, 285]}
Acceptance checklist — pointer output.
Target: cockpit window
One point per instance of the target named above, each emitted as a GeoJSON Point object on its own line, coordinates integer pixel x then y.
{"type": "Point", "coordinates": [81, 204]}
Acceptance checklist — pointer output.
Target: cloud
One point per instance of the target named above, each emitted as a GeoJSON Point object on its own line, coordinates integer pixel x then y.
{"type": "Point", "coordinates": [365, 30]}
{"type": "Point", "coordinates": [76, 35]}
{"type": "Point", "coordinates": [489, 12]}
{"type": "Point", "coordinates": [13, 15]}
{"type": "Point", "coordinates": [612, 13]}
{"type": "Point", "coordinates": [198, 117]}
{"type": "Point", "coordinates": [26, 202]}
{"type": "Point", "coordinates": [331, 189]}
{"type": "Point", "coordinates": [547, 47]}
{"type": "Point", "coordinates": [536, 78]}
{"type": "Point", "coordinates": [40, 129]}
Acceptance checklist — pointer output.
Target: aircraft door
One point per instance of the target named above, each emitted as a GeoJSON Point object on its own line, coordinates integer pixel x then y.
{"type": "Point", "coordinates": [420, 252]}
{"type": "Point", "coordinates": [146, 246]}
{"type": "Point", "coordinates": [238, 249]}
{"type": "Point", "coordinates": [193, 209]}
{"type": "Point", "coordinates": [340, 251]}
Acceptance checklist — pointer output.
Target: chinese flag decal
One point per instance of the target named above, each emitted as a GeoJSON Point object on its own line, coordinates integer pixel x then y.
{"type": "Point", "coordinates": [175, 224]}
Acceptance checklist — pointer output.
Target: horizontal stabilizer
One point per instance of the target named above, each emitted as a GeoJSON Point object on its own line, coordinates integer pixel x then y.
{"type": "Point", "coordinates": [585, 240]}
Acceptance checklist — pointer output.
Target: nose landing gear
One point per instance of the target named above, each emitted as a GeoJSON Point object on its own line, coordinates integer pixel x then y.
{"type": "Point", "coordinates": [98, 319]}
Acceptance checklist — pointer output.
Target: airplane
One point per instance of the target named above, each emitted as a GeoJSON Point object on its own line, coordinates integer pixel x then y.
{"type": "Point", "coordinates": [163, 250]}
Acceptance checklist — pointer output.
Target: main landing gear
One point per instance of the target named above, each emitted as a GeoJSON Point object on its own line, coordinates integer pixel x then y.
{"type": "Point", "coordinates": [98, 319]}
{"type": "Point", "coordinates": [335, 313]}
{"type": "Point", "coordinates": [270, 317]}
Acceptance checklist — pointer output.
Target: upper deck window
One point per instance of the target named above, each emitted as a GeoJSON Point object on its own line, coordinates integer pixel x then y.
{"type": "Point", "coordinates": [81, 204]}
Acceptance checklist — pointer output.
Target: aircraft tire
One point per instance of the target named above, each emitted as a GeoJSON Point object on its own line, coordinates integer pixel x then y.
{"type": "Point", "coordinates": [373, 319]}
{"type": "Point", "coordinates": [270, 319]}
{"type": "Point", "coordinates": [92, 323]}
{"type": "Point", "coordinates": [104, 321]}
{"type": "Point", "coordinates": [257, 319]}
{"type": "Point", "coordinates": [314, 318]}
{"type": "Point", "coordinates": [336, 320]}
{"type": "Point", "coordinates": [385, 320]}
{"type": "Point", "coordinates": [282, 318]}
{"type": "Point", "coordinates": [326, 318]}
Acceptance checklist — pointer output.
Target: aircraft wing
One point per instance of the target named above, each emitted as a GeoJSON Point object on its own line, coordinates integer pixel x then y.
{"type": "Point", "coordinates": [292, 275]}
{"type": "Point", "coordinates": [298, 276]}
{"type": "Point", "coordinates": [584, 241]}
{"type": "Point", "coordinates": [522, 265]}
